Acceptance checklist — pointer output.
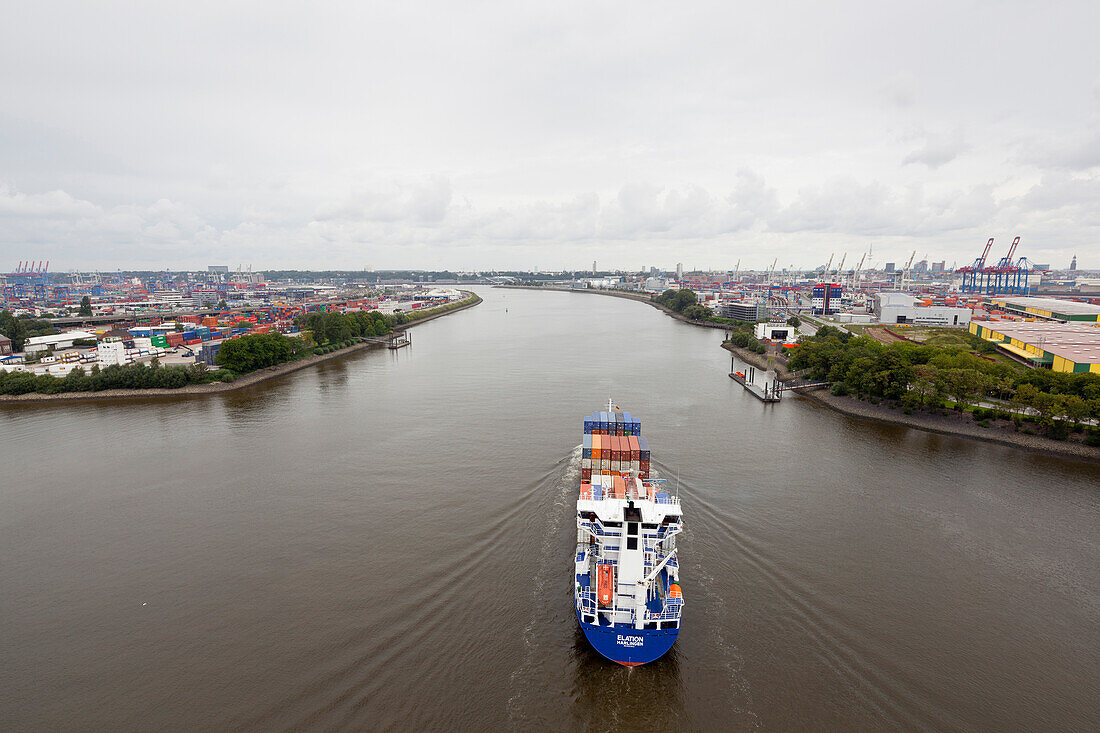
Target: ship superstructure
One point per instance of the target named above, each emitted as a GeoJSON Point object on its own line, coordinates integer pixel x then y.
{"type": "Point", "coordinates": [627, 592]}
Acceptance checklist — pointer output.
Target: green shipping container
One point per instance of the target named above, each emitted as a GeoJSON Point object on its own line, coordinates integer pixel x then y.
{"type": "Point", "coordinates": [160, 341]}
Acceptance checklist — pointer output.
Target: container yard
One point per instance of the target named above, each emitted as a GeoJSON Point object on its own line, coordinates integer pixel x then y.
{"type": "Point", "coordinates": [186, 338]}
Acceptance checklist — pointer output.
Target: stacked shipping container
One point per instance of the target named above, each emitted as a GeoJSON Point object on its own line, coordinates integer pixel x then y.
{"type": "Point", "coordinates": [613, 446]}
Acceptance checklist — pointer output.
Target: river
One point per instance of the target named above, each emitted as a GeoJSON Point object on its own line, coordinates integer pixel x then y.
{"type": "Point", "coordinates": [384, 542]}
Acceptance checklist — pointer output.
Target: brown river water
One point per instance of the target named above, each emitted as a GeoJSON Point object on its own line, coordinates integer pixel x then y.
{"type": "Point", "coordinates": [384, 543]}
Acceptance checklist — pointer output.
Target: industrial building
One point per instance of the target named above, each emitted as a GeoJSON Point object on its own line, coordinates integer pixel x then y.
{"type": "Point", "coordinates": [776, 332]}
{"type": "Point", "coordinates": [825, 298]}
{"type": "Point", "coordinates": [742, 310]}
{"type": "Point", "coordinates": [1051, 308]}
{"type": "Point", "coordinates": [892, 307]}
{"type": "Point", "coordinates": [57, 341]}
{"type": "Point", "coordinates": [1063, 347]}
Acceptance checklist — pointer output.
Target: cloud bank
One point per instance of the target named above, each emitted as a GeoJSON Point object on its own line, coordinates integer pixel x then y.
{"type": "Point", "coordinates": [502, 135]}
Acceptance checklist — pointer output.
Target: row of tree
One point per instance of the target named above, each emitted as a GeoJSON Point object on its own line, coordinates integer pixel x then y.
{"type": "Point", "coordinates": [917, 376]}
{"type": "Point", "coordinates": [339, 327]}
{"type": "Point", "coordinates": [130, 376]}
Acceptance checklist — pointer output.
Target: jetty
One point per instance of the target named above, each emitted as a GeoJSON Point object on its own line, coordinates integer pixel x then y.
{"type": "Point", "coordinates": [769, 392]}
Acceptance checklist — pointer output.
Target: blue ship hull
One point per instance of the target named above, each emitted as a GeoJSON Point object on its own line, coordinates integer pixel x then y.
{"type": "Point", "coordinates": [627, 646]}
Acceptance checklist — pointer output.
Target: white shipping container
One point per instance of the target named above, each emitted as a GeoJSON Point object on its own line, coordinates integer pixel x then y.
{"type": "Point", "coordinates": [586, 463]}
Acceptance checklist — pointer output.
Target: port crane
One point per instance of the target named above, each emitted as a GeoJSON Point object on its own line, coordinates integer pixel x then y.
{"type": "Point", "coordinates": [840, 267]}
{"type": "Point", "coordinates": [906, 273]}
{"type": "Point", "coordinates": [999, 276]}
{"type": "Point", "coordinates": [859, 268]}
{"type": "Point", "coordinates": [972, 273]}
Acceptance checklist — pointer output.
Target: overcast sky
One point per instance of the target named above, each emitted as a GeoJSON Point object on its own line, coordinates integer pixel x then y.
{"type": "Point", "coordinates": [470, 135]}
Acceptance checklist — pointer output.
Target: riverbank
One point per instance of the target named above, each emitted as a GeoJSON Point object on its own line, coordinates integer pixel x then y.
{"type": "Point", "coordinates": [956, 424]}
{"type": "Point", "coordinates": [962, 426]}
{"type": "Point", "coordinates": [620, 294]}
{"type": "Point", "coordinates": [245, 380]}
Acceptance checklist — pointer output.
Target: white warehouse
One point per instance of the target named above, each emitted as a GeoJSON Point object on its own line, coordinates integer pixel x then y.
{"type": "Point", "coordinates": [903, 308]}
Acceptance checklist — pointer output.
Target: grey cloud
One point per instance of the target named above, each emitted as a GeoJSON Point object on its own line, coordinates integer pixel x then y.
{"type": "Point", "coordinates": [1078, 152]}
{"type": "Point", "coordinates": [938, 150]}
{"type": "Point", "coordinates": [422, 203]}
{"type": "Point", "coordinates": [404, 133]}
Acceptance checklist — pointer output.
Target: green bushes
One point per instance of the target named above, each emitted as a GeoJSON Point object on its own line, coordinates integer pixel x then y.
{"type": "Point", "coordinates": [341, 328]}
{"type": "Point", "coordinates": [257, 351]}
{"type": "Point", "coordinates": [678, 300]}
{"type": "Point", "coordinates": [130, 376]}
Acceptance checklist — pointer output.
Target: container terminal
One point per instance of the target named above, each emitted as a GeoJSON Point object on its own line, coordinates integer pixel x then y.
{"type": "Point", "coordinates": [134, 322]}
{"type": "Point", "coordinates": [893, 297]}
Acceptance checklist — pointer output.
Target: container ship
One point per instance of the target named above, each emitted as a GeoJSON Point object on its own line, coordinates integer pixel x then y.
{"type": "Point", "coordinates": [627, 594]}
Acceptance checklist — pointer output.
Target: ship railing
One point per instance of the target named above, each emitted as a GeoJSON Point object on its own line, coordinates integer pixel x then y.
{"type": "Point", "coordinates": [586, 601]}
{"type": "Point", "coordinates": [599, 530]}
{"type": "Point", "coordinates": [670, 612]}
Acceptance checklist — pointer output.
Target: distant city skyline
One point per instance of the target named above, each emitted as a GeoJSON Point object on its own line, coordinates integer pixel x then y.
{"type": "Point", "coordinates": [507, 135]}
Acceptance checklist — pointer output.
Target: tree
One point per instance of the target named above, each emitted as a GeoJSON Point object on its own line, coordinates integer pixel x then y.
{"type": "Point", "coordinates": [677, 300]}
{"type": "Point", "coordinates": [222, 305]}
{"type": "Point", "coordinates": [13, 328]}
{"type": "Point", "coordinates": [250, 353]}
{"type": "Point", "coordinates": [961, 384]}
{"type": "Point", "coordinates": [794, 321]}
{"type": "Point", "coordinates": [1075, 408]}
{"type": "Point", "coordinates": [85, 306]}
{"type": "Point", "coordinates": [697, 312]}
{"type": "Point", "coordinates": [1045, 404]}
{"type": "Point", "coordinates": [684, 298]}
{"type": "Point", "coordinates": [924, 382]}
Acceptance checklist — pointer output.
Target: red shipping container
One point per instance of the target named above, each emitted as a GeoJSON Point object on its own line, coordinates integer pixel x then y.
{"type": "Point", "coordinates": [635, 450]}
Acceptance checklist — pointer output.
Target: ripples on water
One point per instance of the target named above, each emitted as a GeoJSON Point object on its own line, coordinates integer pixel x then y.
{"type": "Point", "coordinates": [385, 542]}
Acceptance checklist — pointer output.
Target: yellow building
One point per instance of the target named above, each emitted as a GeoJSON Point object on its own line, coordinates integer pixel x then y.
{"type": "Point", "coordinates": [1063, 347]}
{"type": "Point", "coordinates": [1053, 308]}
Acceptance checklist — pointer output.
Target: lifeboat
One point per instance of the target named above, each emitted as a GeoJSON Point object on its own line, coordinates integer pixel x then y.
{"type": "Point", "coordinates": [605, 584]}
{"type": "Point", "coordinates": [674, 591]}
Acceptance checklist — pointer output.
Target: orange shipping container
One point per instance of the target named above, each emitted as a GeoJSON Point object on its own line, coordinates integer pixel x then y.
{"type": "Point", "coordinates": [619, 487]}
